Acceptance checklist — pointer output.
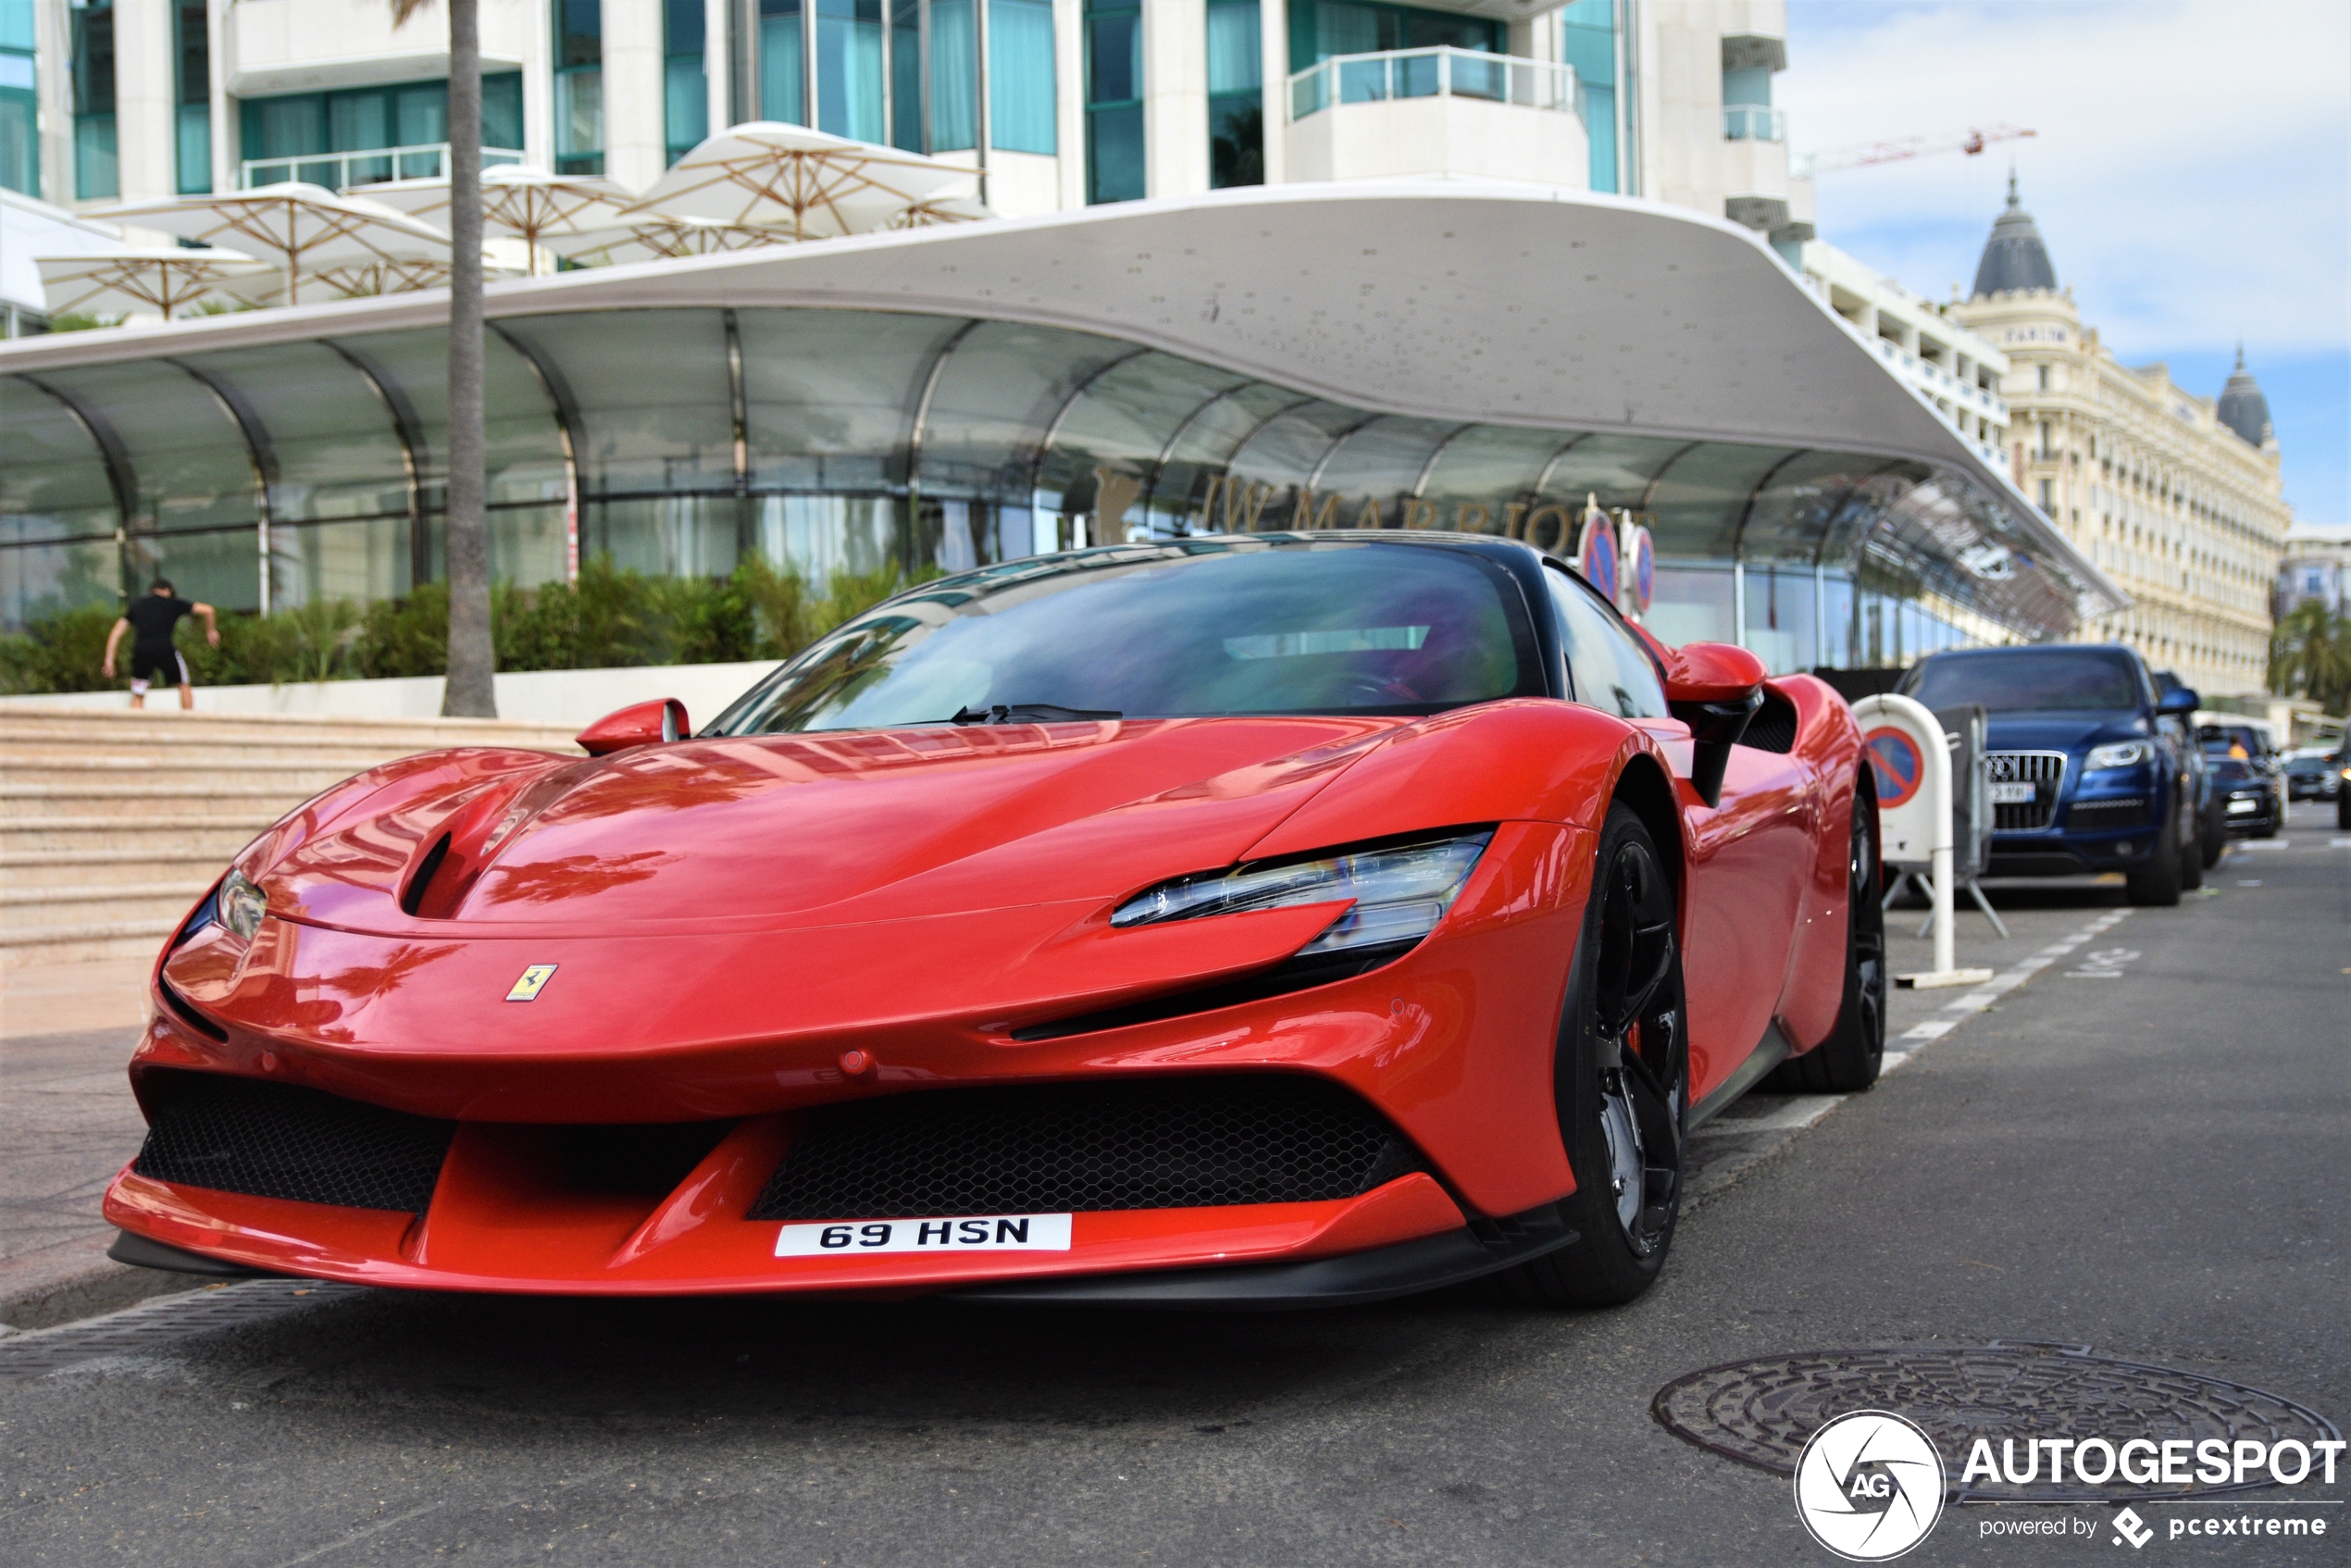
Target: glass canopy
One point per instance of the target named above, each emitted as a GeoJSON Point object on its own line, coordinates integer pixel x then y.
{"type": "Point", "coordinates": [679, 440]}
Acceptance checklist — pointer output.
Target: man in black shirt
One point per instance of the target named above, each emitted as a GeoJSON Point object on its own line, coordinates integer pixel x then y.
{"type": "Point", "coordinates": [150, 620]}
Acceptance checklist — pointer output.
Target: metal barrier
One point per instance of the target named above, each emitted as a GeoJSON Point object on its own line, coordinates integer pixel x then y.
{"type": "Point", "coordinates": [1441, 71]}
{"type": "Point", "coordinates": [374, 166]}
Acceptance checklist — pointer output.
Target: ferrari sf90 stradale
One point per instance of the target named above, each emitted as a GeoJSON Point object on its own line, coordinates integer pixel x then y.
{"type": "Point", "coordinates": [1275, 919]}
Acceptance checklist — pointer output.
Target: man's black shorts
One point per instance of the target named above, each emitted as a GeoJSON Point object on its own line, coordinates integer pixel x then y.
{"type": "Point", "coordinates": [160, 663]}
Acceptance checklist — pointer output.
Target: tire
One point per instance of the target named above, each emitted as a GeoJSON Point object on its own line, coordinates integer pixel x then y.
{"type": "Point", "coordinates": [2192, 852]}
{"type": "Point", "coordinates": [1849, 1059]}
{"type": "Point", "coordinates": [2213, 842]}
{"type": "Point", "coordinates": [1620, 1075]}
{"type": "Point", "coordinates": [2156, 885]}
{"type": "Point", "coordinates": [2270, 830]}
{"type": "Point", "coordinates": [2342, 808]}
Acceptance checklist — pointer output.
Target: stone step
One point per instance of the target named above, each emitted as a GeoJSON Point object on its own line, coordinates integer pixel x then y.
{"type": "Point", "coordinates": [295, 781]}
{"type": "Point", "coordinates": [19, 721]}
{"type": "Point", "coordinates": [161, 831]}
{"type": "Point", "coordinates": [141, 940]}
{"type": "Point", "coordinates": [128, 803]}
{"type": "Point", "coordinates": [26, 910]}
{"type": "Point", "coordinates": [40, 870]}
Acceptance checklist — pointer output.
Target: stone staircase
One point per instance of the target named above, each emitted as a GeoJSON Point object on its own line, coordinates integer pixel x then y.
{"type": "Point", "coordinates": [113, 823]}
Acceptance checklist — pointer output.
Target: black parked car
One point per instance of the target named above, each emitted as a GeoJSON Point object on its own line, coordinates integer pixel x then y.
{"type": "Point", "coordinates": [2085, 776]}
{"type": "Point", "coordinates": [2211, 819]}
{"type": "Point", "coordinates": [2247, 777]}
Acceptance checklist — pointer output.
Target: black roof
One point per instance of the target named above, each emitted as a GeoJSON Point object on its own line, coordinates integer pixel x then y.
{"type": "Point", "coordinates": [2242, 406]}
{"type": "Point", "coordinates": [2014, 256]}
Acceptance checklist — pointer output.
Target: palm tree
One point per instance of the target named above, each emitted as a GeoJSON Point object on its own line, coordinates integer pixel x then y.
{"type": "Point", "coordinates": [469, 691]}
{"type": "Point", "coordinates": [2311, 655]}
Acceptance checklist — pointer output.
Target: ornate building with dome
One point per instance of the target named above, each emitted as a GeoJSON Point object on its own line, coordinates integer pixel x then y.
{"type": "Point", "coordinates": [2176, 495]}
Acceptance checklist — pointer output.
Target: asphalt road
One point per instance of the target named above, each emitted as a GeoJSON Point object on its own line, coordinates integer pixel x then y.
{"type": "Point", "coordinates": [2153, 1164]}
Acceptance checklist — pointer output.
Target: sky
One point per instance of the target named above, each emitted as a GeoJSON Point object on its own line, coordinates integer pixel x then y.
{"type": "Point", "coordinates": [2191, 175]}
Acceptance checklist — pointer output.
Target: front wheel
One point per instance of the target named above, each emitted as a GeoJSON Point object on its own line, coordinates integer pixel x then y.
{"type": "Point", "coordinates": [2212, 842]}
{"type": "Point", "coordinates": [1620, 1075]}
{"type": "Point", "coordinates": [2343, 806]}
{"type": "Point", "coordinates": [2157, 884]}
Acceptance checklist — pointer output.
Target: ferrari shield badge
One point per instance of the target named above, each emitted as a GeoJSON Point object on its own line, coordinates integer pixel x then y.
{"type": "Point", "coordinates": [534, 980]}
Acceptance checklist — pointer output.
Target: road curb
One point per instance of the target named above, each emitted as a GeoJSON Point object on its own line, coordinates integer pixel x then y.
{"type": "Point", "coordinates": [74, 1280]}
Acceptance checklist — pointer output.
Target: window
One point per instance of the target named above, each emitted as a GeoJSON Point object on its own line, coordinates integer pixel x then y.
{"type": "Point", "coordinates": [685, 87]}
{"type": "Point", "coordinates": [1587, 43]}
{"type": "Point", "coordinates": [191, 128]}
{"type": "Point", "coordinates": [1236, 94]}
{"type": "Point", "coordinates": [849, 73]}
{"type": "Point", "coordinates": [2048, 495]}
{"type": "Point", "coordinates": [954, 77]}
{"type": "Point", "coordinates": [95, 175]}
{"type": "Point", "coordinates": [1115, 170]}
{"type": "Point", "coordinates": [2040, 377]}
{"type": "Point", "coordinates": [783, 63]}
{"type": "Point", "coordinates": [1612, 670]}
{"type": "Point", "coordinates": [1020, 75]}
{"type": "Point", "coordinates": [1320, 28]}
{"type": "Point", "coordinates": [906, 75]}
{"type": "Point", "coordinates": [20, 103]}
{"type": "Point", "coordinates": [579, 86]}
{"type": "Point", "coordinates": [309, 135]}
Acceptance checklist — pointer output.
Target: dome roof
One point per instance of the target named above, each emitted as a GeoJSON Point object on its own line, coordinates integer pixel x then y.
{"type": "Point", "coordinates": [2014, 256]}
{"type": "Point", "coordinates": [2242, 408]}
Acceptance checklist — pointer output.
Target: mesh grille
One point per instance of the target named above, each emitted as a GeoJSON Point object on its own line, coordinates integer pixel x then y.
{"type": "Point", "coordinates": [1166, 1143]}
{"type": "Point", "coordinates": [2045, 769]}
{"type": "Point", "coordinates": [280, 1140]}
{"type": "Point", "coordinates": [2127, 813]}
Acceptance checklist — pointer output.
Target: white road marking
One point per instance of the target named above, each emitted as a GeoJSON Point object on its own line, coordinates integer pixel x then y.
{"type": "Point", "coordinates": [2259, 846]}
{"type": "Point", "coordinates": [2250, 882]}
{"type": "Point", "coordinates": [1934, 1029]}
{"type": "Point", "coordinates": [2339, 843]}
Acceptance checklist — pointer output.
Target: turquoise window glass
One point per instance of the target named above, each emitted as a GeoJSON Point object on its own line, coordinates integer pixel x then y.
{"type": "Point", "coordinates": [1235, 96]}
{"type": "Point", "coordinates": [1020, 75]}
{"type": "Point", "coordinates": [783, 65]}
{"type": "Point", "coordinates": [1587, 45]}
{"type": "Point", "coordinates": [954, 77]}
{"type": "Point", "coordinates": [849, 73]}
{"type": "Point", "coordinates": [685, 88]}
{"type": "Point", "coordinates": [906, 75]}
{"type": "Point", "coordinates": [578, 32]}
{"type": "Point", "coordinates": [192, 124]}
{"type": "Point", "coordinates": [1114, 166]}
{"type": "Point", "coordinates": [94, 172]}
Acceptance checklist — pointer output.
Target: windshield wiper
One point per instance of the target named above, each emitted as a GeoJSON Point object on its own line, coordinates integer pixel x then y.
{"type": "Point", "coordinates": [1014, 712]}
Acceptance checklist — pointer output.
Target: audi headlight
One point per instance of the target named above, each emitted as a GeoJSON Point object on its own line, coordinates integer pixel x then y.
{"type": "Point", "coordinates": [241, 904]}
{"type": "Point", "coordinates": [1399, 894]}
{"type": "Point", "coordinates": [2123, 753]}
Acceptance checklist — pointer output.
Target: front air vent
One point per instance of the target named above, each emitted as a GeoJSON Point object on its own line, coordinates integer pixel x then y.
{"type": "Point", "coordinates": [1774, 727]}
{"type": "Point", "coordinates": [2043, 770]}
{"type": "Point", "coordinates": [412, 899]}
{"type": "Point", "coordinates": [282, 1141]}
{"type": "Point", "coordinates": [1155, 1143]}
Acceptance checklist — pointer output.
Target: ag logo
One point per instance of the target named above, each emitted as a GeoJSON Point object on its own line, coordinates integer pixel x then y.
{"type": "Point", "coordinates": [1869, 1486]}
{"type": "Point", "coordinates": [534, 980]}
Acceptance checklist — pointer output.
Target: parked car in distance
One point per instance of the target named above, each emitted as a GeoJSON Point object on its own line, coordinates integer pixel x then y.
{"type": "Point", "coordinates": [2205, 806]}
{"type": "Point", "coordinates": [2245, 775]}
{"type": "Point", "coordinates": [2312, 774]}
{"type": "Point", "coordinates": [2084, 776]}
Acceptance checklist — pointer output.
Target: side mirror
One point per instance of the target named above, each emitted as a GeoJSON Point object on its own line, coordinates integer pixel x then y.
{"type": "Point", "coordinates": [640, 724]}
{"type": "Point", "coordinates": [1715, 688]}
{"type": "Point", "coordinates": [2178, 700]}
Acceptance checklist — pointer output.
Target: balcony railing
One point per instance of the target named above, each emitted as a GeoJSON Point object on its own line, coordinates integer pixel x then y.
{"type": "Point", "coordinates": [341, 171]}
{"type": "Point", "coordinates": [1438, 72]}
{"type": "Point", "coordinates": [1754, 122]}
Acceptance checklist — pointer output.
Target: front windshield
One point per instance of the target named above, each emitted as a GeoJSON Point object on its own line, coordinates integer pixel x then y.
{"type": "Point", "coordinates": [2041, 680]}
{"type": "Point", "coordinates": [1223, 628]}
{"type": "Point", "coordinates": [2229, 740]}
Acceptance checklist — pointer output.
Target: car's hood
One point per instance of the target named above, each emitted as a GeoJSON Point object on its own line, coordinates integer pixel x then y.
{"type": "Point", "coordinates": [2058, 731]}
{"type": "Point", "coordinates": [798, 831]}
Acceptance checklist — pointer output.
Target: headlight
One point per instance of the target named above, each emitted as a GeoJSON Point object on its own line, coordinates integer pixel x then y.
{"type": "Point", "coordinates": [1399, 894]}
{"type": "Point", "coordinates": [242, 904]}
{"type": "Point", "coordinates": [2123, 753]}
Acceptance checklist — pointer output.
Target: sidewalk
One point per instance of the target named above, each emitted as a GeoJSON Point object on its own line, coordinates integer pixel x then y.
{"type": "Point", "coordinates": [67, 1124]}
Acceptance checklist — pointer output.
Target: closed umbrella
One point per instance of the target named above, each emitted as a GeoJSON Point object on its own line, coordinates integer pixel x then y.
{"type": "Point", "coordinates": [295, 226]}
{"type": "Point", "coordinates": [807, 182]}
{"type": "Point", "coordinates": [518, 202]}
{"type": "Point", "coordinates": [140, 278]}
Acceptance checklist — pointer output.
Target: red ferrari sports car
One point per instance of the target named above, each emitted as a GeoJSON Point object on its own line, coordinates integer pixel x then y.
{"type": "Point", "coordinates": [1278, 919]}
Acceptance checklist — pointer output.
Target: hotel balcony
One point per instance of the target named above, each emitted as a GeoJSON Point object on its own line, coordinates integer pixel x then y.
{"type": "Point", "coordinates": [1440, 111]}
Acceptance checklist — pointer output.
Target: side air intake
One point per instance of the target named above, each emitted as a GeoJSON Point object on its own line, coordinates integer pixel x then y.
{"type": "Point", "coordinates": [281, 1141]}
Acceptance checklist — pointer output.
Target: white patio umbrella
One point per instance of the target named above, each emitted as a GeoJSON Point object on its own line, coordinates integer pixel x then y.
{"type": "Point", "coordinates": [661, 238]}
{"type": "Point", "coordinates": [806, 182]}
{"type": "Point", "coordinates": [139, 278]}
{"type": "Point", "coordinates": [295, 226]}
{"type": "Point", "coordinates": [518, 202]}
{"type": "Point", "coordinates": [936, 210]}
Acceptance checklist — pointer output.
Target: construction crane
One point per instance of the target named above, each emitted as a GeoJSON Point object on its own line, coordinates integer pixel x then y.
{"type": "Point", "coordinates": [1971, 142]}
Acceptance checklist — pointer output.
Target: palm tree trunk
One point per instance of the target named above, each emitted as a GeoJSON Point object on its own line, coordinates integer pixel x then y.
{"type": "Point", "coordinates": [469, 693]}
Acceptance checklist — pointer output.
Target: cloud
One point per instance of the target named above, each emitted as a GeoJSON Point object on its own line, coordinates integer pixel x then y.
{"type": "Point", "coordinates": [2190, 175]}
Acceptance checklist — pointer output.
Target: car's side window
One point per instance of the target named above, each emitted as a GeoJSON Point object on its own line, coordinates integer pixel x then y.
{"type": "Point", "coordinates": [1610, 669]}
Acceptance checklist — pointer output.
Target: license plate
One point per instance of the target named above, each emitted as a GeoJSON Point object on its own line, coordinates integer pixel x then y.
{"type": "Point", "coordinates": [978, 1233]}
{"type": "Point", "coordinates": [2245, 805]}
{"type": "Point", "coordinates": [2015, 794]}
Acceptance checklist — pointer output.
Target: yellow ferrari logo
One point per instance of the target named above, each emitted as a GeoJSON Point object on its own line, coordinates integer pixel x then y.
{"type": "Point", "coordinates": [534, 980]}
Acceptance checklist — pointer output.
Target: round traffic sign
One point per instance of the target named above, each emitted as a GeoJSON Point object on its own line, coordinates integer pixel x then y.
{"type": "Point", "coordinates": [1895, 759]}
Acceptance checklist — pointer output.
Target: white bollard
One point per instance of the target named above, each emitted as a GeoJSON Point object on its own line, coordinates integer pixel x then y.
{"type": "Point", "coordinates": [1922, 820]}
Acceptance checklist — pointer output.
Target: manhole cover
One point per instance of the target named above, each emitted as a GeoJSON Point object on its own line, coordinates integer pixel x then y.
{"type": "Point", "coordinates": [1762, 1413]}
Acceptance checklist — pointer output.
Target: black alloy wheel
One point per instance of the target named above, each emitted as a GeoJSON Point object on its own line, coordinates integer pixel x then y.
{"type": "Point", "coordinates": [1621, 1075]}
{"type": "Point", "coordinates": [1854, 1052]}
{"type": "Point", "coordinates": [2157, 884]}
{"type": "Point", "coordinates": [2191, 839]}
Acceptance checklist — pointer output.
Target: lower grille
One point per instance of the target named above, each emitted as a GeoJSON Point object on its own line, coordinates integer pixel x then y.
{"type": "Point", "coordinates": [2043, 770]}
{"type": "Point", "coordinates": [1161, 1143]}
{"type": "Point", "coordinates": [281, 1141]}
{"type": "Point", "coordinates": [2092, 815]}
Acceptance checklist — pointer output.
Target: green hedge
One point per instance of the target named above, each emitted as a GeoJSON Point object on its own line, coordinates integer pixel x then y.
{"type": "Point", "coordinates": [609, 618]}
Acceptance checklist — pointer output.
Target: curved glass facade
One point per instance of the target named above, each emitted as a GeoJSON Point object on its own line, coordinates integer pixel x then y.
{"type": "Point", "coordinates": [677, 440]}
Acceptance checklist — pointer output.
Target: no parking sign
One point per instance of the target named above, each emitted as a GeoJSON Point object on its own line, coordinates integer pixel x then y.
{"type": "Point", "coordinates": [1596, 553]}
{"type": "Point", "coordinates": [1904, 744]}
